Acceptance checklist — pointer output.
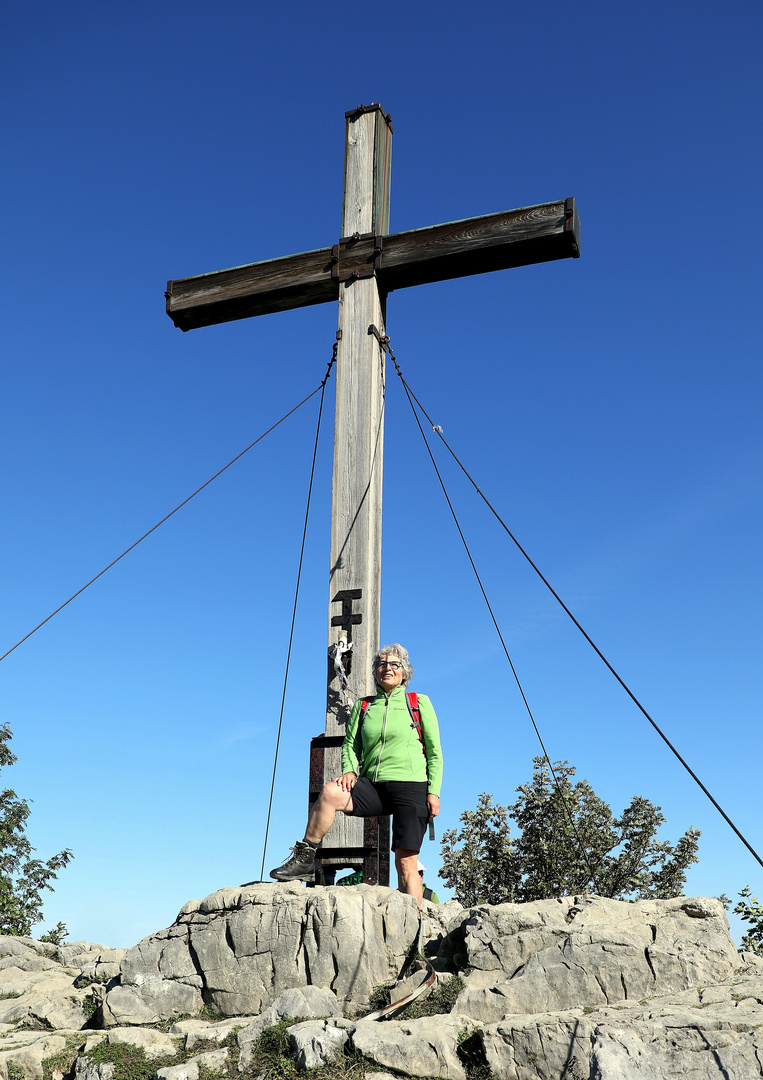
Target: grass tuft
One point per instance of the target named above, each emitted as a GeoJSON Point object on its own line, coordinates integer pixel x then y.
{"type": "Point", "coordinates": [130, 1062]}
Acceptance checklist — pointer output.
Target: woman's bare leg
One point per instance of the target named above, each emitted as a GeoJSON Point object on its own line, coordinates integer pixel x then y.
{"type": "Point", "coordinates": [331, 799]}
{"type": "Point", "coordinates": [408, 880]}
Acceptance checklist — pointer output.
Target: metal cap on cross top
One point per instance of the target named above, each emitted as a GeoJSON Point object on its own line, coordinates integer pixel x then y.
{"type": "Point", "coordinates": [358, 271]}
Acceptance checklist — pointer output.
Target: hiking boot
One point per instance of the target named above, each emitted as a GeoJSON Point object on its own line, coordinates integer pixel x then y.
{"type": "Point", "coordinates": [300, 866]}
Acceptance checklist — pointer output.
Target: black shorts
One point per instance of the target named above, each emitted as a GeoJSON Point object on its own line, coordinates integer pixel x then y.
{"type": "Point", "coordinates": [406, 800]}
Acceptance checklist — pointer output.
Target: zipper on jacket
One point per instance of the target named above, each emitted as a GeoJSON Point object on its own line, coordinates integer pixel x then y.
{"type": "Point", "coordinates": [383, 736]}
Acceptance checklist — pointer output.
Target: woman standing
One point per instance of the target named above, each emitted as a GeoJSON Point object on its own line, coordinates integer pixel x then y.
{"type": "Point", "coordinates": [387, 768]}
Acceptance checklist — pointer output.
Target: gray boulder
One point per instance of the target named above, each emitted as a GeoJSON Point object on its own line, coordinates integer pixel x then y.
{"type": "Point", "coordinates": [317, 1042]}
{"type": "Point", "coordinates": [213, 1061]}
{"type": "Point", "coordinates": [425, 1047]}
{"type": "Point", "coordinates": [43, 997]}
{"type": "Point", "coordinates": [194, 1032]}
{"type": "Point", "coordinates": [155, 1044]}
{"type": "Point", "coordinates": [238, 949]}
{"type": "Point", "coordinates": [555, 955]}
{"type": "Point", "coordinates": [41, 985]}
{"type": "Point", "coordinates": [151, 1001]}
{"type": "Point", "coordinates": [86, 1069]}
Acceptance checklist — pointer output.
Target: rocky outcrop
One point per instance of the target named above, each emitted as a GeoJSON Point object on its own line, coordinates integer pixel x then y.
{"type": "Point", "coordinates": [579, 988]}
{"type": "Point", "coordinates": [704, 1032]}
{"type": "Point", "coordinates": [238, 949]}
{"type": "Point", "coordinates": [53, 988]}
{"type": "Point", "coordinates": [589, 951]}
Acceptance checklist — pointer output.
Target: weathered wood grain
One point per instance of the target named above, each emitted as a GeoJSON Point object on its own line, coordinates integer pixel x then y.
{"type": "Point", "coordinates": [478, 245]}
{"type": "Point", "coordinates": [356, 514]}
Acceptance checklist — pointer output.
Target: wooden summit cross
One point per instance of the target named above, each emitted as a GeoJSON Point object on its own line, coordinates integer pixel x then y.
{"type": "Point", "coordinates": [359, 271]}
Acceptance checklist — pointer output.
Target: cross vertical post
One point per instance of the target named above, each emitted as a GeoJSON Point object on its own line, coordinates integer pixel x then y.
{"type": "Point", "coordinates": [356, 512]}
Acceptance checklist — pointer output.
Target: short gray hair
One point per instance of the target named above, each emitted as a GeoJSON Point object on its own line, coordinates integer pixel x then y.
{"type": "Point", "coordinates": [401, 653]}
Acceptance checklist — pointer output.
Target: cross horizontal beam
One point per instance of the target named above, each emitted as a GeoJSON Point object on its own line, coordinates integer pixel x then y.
{"type": "Point", "coordinates": [531, 234]}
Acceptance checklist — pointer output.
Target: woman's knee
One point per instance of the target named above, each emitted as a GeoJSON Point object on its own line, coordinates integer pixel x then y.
{"type": "Point", "coordinates": [332, 795]}
{"type": "Point", "coordinates": [329, 793]}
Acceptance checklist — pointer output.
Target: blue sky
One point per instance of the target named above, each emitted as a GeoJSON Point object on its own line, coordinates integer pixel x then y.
{"type": "Point", "coordinates": [609, 407]}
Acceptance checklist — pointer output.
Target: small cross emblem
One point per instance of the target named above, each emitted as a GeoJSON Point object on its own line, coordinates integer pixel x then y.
{"type": "Point", "coordinates": [348, 618]}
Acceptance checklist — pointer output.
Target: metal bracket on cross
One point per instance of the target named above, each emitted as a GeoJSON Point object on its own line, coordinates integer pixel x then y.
{"type": "Point", "coordinates": [356, 257]}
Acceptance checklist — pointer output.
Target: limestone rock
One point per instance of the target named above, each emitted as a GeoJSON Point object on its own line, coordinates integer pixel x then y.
{"type": "Point", "coordinates": [577, 988]}
{"type": "Point", "coordinates": [413, 981]}
{"type": "Point", "coordinates": [41, 984]}
{"type": "Point", "coordinates": [306, 1001]}
{"type": "Point", "coordinates": [155, 1044]}
{"type": "Point", "coordinates": [95, 963]}
{"type": "Point", "coordinates": [27, 1050]}
{"type": "Point", "coordinates": [44, 997]}
{"type": "Point", "coordinates": [214, 1060]}
{"type": "Point", "coordinates": [698, 1033]}
{"type": "Point", "coordinates": [577, 951]}
{"type": "Point", "coordinates": [153, 1000]}
{"type": "Point", "coordinates": [200, 1031]}
{"type": "Point", "coordinates": [425, 1047]}
{"type": "Point", "coordinates": [317, 1042]}
{"type": "Point", "coordinates": [86, 1069]}
{"type": "Point", "coordinates": [238, 949]}
{"type": "Point", "coordinates": [26, 954]}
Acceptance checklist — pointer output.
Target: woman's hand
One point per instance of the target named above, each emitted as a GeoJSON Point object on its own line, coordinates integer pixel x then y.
{"type": "Point", "coordinates": [346, 781]}
{"type": "Point", "coordinates": [433, 802]}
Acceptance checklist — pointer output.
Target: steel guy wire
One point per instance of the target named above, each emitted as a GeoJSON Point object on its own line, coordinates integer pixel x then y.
{"type": "Point", "coordinates": [165, 518]}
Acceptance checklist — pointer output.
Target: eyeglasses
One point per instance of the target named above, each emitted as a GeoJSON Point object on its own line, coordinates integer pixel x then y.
{"type": "Point", "coordinates": [389, 664]}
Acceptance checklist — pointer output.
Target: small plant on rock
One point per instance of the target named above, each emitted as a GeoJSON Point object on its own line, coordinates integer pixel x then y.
{"type": "Point", "coordinates": [56, 935]}
{"type": "Point", "coordinates": [751, 910]}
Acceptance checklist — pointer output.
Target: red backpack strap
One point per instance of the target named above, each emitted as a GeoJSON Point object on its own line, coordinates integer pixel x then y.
{"type": "Point", "coordinates": [365, 702]}
{"type": "Point", "coordinates": [412, 698]}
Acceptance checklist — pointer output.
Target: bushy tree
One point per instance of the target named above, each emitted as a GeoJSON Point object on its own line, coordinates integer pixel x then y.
{"type": "Point", "coordinates": [22, 878]}
{"type": "Point", "coordinates": [569, 842]}
{"type": "Point", "coordinates": [484, 866]}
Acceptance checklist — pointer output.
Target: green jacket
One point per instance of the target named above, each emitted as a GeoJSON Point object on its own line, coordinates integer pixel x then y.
{"type": "Point", "coordinates": [388, 746]}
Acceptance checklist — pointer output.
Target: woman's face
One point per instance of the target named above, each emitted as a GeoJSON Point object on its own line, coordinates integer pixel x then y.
{"type": "Point", "coordinates": [389, 672]}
